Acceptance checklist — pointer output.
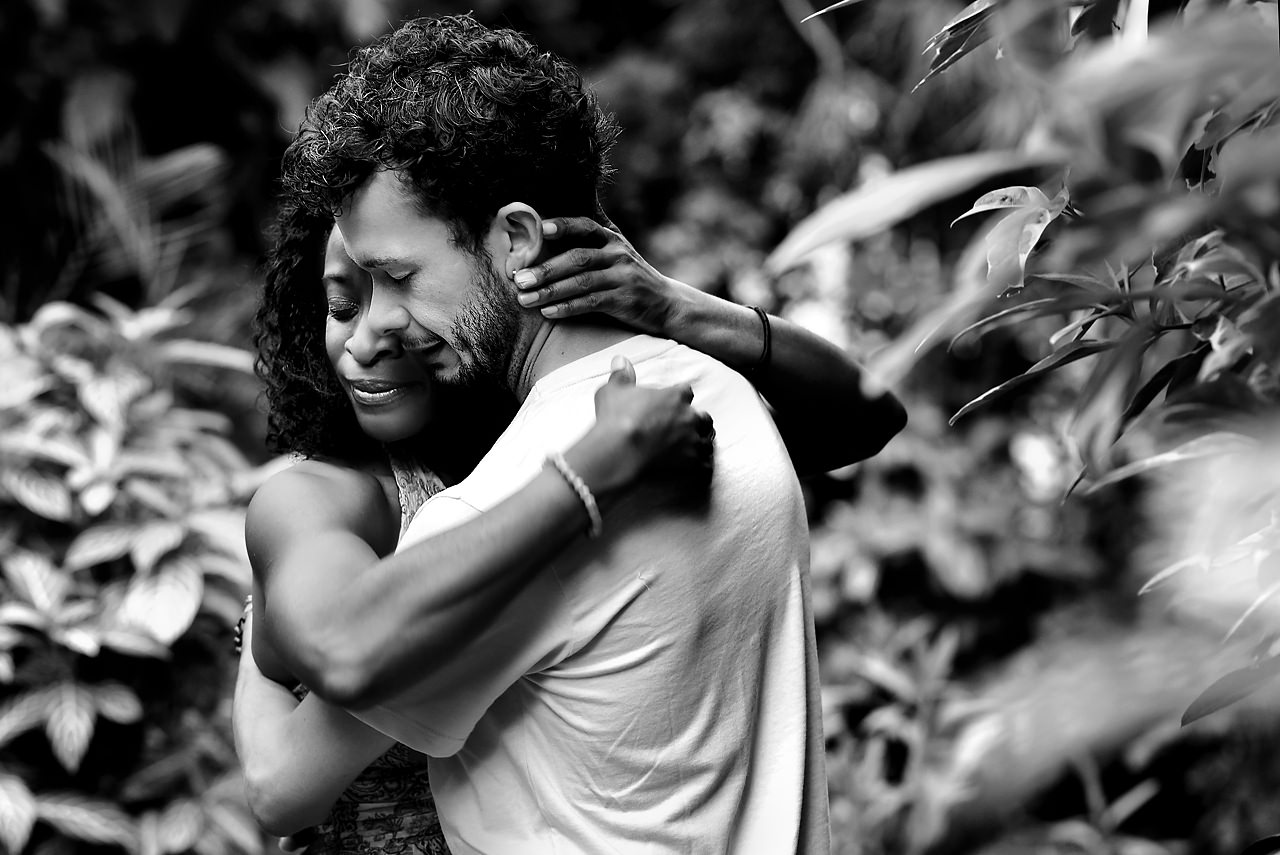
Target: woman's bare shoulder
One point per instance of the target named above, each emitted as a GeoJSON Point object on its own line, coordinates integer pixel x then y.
{"type": "Point", "coordinates": [317, 495]}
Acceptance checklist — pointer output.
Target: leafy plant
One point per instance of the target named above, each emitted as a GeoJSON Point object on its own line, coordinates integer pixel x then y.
{"type": "Point", "coordinates": [1149, 257]}
{"type": "Point", "coordinates": [123, 573]}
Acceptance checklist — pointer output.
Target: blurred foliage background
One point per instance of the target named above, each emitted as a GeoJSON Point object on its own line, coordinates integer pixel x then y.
{"type": "Point", "coordinates": [993, 679]}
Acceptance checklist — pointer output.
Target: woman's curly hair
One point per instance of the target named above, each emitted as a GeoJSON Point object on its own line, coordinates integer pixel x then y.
{"type": "Point", "coordinates": [473, 117]}
{"type": "Point", "coordinates": [307, 411]}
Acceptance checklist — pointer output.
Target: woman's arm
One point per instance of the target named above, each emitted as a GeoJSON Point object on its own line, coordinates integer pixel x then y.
{"type": "Point", "coordinates": [355, 628]}
{"type": "Point", "coordinates": [297, 757]}
{"type": "Point", "coordinates": [821, 400]}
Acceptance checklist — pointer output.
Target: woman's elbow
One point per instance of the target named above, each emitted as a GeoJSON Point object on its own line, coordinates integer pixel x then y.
{"type": "Point", "coordinates": [329, 663]}
{"type": "Point", "coordinates": [889, 418]}
{"type": "Point", "coordinates": [279, 809]}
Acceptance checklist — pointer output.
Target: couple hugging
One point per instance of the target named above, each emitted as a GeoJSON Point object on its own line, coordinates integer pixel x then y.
{"type": "Point", "coordinates": [537, 582]}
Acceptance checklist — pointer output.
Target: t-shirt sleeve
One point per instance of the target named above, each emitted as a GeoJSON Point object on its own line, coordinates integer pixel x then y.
{"type": "Point", "coordinates": [436, 714]}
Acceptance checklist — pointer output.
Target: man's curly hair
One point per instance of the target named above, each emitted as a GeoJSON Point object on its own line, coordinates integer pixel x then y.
{"type": "Point", "coordinates": [473, 117]}
{"type": "Point", "coordinates": [307, 411]}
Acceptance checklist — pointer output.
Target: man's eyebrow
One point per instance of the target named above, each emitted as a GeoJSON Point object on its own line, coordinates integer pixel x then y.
{"type": "Point", "coordinates": [379, 261]}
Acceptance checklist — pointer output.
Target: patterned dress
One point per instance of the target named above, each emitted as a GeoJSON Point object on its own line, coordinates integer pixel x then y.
{"type": "Point", "coordinates": [388, 808]}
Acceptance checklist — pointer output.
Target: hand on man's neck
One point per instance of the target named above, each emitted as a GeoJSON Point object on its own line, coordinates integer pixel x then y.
{"type": "Point", "coordinates": [554, 344]}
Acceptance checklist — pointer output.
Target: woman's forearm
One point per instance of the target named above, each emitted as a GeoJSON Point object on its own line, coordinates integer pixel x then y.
{"type": "Point", "coordinates": [826, 415]}
{"type": "Point", "coordinates": [297, 757]}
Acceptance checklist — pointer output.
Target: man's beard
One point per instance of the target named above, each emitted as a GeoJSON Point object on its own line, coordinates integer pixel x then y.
{"type": "Point", "coordinates": [486, 328]}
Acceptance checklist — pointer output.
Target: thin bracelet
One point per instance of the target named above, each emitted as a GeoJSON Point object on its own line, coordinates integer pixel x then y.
{"type": "Point", "coordinates": [580, 487]}
{"type": "Point", "coordinates": [767, 350]}
{"type": "Point", "coordinates": [239, 631]}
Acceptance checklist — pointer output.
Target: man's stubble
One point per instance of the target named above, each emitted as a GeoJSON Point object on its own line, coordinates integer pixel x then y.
{"type": "Point", "coordinates": [487, 327]}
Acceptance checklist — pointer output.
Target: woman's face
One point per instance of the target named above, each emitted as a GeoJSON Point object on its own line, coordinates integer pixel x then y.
{"type": "Point", "coordinates": [389, 388]}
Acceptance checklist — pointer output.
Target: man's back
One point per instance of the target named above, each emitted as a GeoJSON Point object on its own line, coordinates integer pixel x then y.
{"type": "Point", "coordinates": [653, 690]}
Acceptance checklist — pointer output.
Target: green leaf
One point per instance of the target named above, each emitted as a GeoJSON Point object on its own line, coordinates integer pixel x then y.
{"type": "Point", "coordinates": [1111, 386]}
{"type": "Point", "coordinates": [1020, 312]}
{"type": "Point", "coordinates": [1007, 197]}
{"type": "Point", "coordinates": [163, 604]}
{"type": "Point", "coordinates": [1057, 359]}
{"type": "Point", "coordinates": [100, 544]}
{"type": "Point", "coordinates": [1158, 381]}
{"type": "Point", "coordinates": [180, 825]}
{"type": "Point", "coordinates": [1258, 602]}
{"type": "Point", "coordinates": [153, 541]}
{"type": "Point", "coordinates": [82, 818]}
{"type": "Point", "coordinates": [24, 712]}
{"type": "Point", "coordinates": [830, 8]}
{"type": "Point", "coordinates": [39, 493]}
{"type": "Point", "coordinates": [1265, 846]}
{"type": "Point", "coordinates": [17, 813]}
{"type": "Point", "coordinates": [885, 202]}
{"type": "Point", "coordinates": [35, 580]}
{"type": "Point", "coordinates": [117, 702]}
{"type": "Point", "coordinates": [1231, 688]}
{"type": "Point", "coordinates": [1172, 570]}
{"type": "Point", "coordinates": [70, 724]}
{"type": "Point", "coordinates": [1210, 445]}
{"type": "Point", "coordinates": [206, 353]}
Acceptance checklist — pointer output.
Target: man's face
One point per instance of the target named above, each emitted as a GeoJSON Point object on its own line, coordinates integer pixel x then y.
{"type": "Point", "coordinates": [456, 313]}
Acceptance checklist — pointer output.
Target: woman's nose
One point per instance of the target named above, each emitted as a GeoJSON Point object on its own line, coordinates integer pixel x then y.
{"type": "Point", "coordinates": [378, 333]}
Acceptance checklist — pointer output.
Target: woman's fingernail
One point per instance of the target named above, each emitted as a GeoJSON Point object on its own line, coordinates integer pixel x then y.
{"type": "Point", "coordinates": [549, 228]}
{"type": "Point", "coordinates": [550, 311]}
{"type": "Point", "coordinates": [525, 278]}
{"type": "Point", "coordinates": [527, 298]}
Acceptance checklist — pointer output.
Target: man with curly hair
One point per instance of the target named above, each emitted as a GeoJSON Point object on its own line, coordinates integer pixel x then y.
{"type": "Point", "coordinates": [655, 688]}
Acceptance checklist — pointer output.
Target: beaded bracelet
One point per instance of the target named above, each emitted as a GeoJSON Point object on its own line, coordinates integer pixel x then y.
{"type": "Point", "coordinates": [239, 633]}
{"type": "Point", "coordinates": [767, 350]}
{"type": "Point", "coordinates": [580, 487]}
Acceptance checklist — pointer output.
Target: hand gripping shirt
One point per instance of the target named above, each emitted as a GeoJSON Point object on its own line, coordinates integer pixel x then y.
{"type": "Point", "coordinates": [654, 690]}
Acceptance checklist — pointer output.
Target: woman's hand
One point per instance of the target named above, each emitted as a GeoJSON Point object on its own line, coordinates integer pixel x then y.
{"type": "Point", "coordinates": [641, 428]}
{"type": "Point", "coordinates": [602, 273]}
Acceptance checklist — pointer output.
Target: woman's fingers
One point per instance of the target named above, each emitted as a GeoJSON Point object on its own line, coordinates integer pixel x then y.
{"type": "Point", "coordinates": [562, 227]}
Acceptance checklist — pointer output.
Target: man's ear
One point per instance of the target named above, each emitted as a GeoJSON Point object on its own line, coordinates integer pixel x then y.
{"type": "Point", "coordinates": [518, 231]}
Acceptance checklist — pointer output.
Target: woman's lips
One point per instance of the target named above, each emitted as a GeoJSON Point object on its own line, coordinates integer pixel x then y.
{"type": "Point", "coordinates": [377, 393]}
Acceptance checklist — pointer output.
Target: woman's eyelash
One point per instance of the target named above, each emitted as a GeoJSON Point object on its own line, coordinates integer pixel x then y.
{"type": "Point", "coordinates": [342, 310]}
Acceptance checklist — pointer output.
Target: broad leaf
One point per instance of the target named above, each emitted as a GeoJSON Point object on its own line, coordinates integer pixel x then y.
{"type": "Point", "coordinates": [70, 724]}
{"type": "Point", "coordinates": [17, 813]}
{"type": "Point", "coordinates": [39, 493]}
{"type": "Point", "coordinates": [82, 818]}
{"type": "Point", "coordinates": [153, 541]}
{"type": "Point", "coordinates": [117, 702]}
{"type": "Point", "coordinates": [180, 825]}
{"type": "Point", "coordinates": [1007, 197]}
{"type": "Point", "coordinates": [163, 604]}
{"type": "Point", "coordinates": [21, 713]}
{"type": "Point", "coordinates": [1231, 688]}
{"type": "Point", "coordinates": [100, 544]}
{"type": "Point", "coordinates": [887, 201]}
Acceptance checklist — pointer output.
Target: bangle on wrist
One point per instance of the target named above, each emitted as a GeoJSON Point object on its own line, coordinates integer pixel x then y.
{"type": "Point", "coordinates": [766, 350]}
{"type": "Point", "coordinates": [556, 459]}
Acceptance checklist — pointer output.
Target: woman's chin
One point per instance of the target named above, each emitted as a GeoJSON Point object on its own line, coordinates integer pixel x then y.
{"type": "Point", "coordinates": [392, 427]}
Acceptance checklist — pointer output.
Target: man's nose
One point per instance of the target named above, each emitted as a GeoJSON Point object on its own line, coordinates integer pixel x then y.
{"type": "Point", "coordinates": [378, 335]}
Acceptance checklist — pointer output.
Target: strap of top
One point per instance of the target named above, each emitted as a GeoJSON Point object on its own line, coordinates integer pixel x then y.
{"type": "Point", "coordinates": [415, 483]}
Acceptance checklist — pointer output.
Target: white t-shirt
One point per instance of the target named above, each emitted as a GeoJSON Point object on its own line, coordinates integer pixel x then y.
{"type": "Point", "coordinates": [654, 690]}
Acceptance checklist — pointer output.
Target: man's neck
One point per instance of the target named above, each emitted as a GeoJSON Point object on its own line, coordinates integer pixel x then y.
{"type": "Point", "coordinates": [551, 345]}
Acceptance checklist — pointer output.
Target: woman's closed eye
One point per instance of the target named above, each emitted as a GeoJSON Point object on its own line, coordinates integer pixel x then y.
{"type": "Point", "coordinates": [341, 309]}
